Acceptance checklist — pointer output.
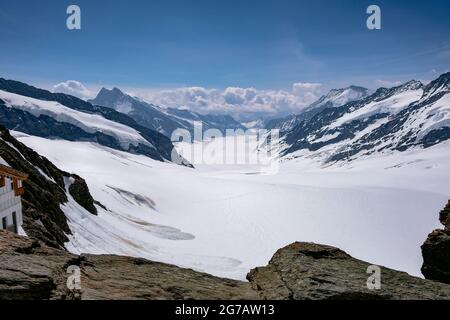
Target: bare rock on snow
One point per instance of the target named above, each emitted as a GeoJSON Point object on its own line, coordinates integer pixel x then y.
{"type": "Point", "coordinates": [436, 251]}
{"type": "Point", "coordinates": [316, 272]}
{"type": "Point", "coordinates": [31, 270]}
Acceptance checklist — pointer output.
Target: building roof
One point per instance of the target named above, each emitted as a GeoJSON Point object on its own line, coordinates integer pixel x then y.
{"type": "Point", "coordinates": [12, 173]}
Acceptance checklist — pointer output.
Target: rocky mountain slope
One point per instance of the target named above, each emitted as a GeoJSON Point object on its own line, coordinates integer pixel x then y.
{"type": "Point", "coordinates": [162, 120]}
{"type": "Point", "coordinates": [42, 113]}
{"type": "Point", "coordinates": [394, 119]}
{"type": "Point", "coordinates": [31, 270]}
{"type": "Point", "coordinates": [47, 188]}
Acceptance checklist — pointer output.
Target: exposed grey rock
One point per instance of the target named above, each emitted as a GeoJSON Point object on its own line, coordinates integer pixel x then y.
{"type": "Point", "coordinates": [317, 272]}
{"type": "Point", "coordinates": [444, 216]}
{"type": "Point", "coordinates": [30, 270]}
{"type": "Point", "coordinates": [114, 277]}
{"type": "Point", "coordinates": [80, 192]}
{"type": "Point", "coordinates": [436, 251]}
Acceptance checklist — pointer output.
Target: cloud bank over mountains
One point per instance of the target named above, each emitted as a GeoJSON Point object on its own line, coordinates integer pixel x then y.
{"type": "Point", "coordinates": [74, 88]}
{"type": "Point", "coordinates": [235, 101]}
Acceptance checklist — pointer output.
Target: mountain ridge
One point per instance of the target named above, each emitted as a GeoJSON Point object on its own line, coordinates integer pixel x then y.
{"type": "Point", "coordinates": [159, 147]}
{"type": "Point", "coordinates": [397, 118]}
{"type": "Point", "coordinates": [165, 121]}
{"type": "Point", "coordinates": [334, 97]}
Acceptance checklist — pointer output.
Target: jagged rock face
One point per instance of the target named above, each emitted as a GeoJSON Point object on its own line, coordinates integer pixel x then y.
{"type": "Point", "coordinates": [317, 272]}
{"type": "Point", "coordinates": [29, 270]}
{"type": "Point", "coordinates": [436, 251]}
{"type": "Point", "coordinates": [79, 190]}
{"type": "Point", "coordinates": [45, 191]}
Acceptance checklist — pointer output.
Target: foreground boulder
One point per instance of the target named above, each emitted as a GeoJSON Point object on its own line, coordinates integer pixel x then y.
{"type": "Point", "coordinates": [311, 271]}
{"type": "Point", "coordinates": [32, 270]}
{"type": "Point", "coordinates": [436, 251]}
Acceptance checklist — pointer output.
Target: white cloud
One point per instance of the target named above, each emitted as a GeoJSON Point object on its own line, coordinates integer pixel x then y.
{"type": "Point", "coordinates": [74, 88]}
{"type": "Point", "coordinates": [235, 100]}
{"type": "Point", "coordinates": [306, 86]}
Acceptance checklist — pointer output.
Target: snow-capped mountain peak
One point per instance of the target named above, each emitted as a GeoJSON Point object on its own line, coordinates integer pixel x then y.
{"type": "Point", "coordinates": [440, 85]}
{"type": "Point", "coordinates": [410, 85]}
{"type": "Point", "coordinates": [114, 98]}
{"type": "Point", "coordinates": [338, 97]}
{"type": "Point", "coordinates": [334, 98]}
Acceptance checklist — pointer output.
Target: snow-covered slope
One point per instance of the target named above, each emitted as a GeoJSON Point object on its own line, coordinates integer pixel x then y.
{"type": "Point", "coordinates": [227, 219]}
{"type": "Point", "coordinates": [88, 122]}
{"type": "Point", "coordinates": [334, 98]}
{"type": "Point", "coordinates": [391, 105]}
{"type": "Point", "coordinates": [339, 97]}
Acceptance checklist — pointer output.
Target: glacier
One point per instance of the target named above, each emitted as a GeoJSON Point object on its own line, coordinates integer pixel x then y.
{"type": "Point", "coordinates": [226, 219]}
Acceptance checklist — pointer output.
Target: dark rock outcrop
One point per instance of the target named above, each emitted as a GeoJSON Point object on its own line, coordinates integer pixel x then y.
{"type": "Point", "coordinates": [444, 216]}
{"type": "Point", "coordinates": [317, 272]}
{"type": "Point", "coordinates": [436, 251]}
{"type": "Point", "coordinates": [45, 191]}
{"type": "Point", "coordinates": [79, 190]}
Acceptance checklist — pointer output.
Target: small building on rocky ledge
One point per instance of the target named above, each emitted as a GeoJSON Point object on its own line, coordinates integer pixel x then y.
{"type": "Point", "coordinates": [11, 190]}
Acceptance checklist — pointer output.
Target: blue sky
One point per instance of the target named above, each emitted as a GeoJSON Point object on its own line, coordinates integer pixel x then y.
{"type": "Point", "coordinates": [268, 45]}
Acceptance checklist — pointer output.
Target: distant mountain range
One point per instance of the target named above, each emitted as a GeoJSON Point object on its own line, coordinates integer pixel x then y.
{"type": "Point", "coordinates": [350, 122]}
{"type": "Point", "coordinates": [162, 120]}
{"type": "Point", "coordinates": [344, 124]}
